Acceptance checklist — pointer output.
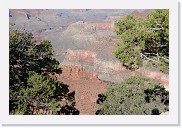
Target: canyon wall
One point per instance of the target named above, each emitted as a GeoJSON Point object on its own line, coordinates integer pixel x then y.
{"type": "Point", "coordinates": [81, 39]}
{"type": "Point", "coordinates": [111, 70]}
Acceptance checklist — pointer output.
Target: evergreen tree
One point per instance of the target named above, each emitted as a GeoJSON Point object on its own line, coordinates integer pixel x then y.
{"type": "Point", "coordinates": [134, 96]}
{"type": "Point", "coordinates": [144, 39]}
{"type": "Point", "coordinates": [31, 86]}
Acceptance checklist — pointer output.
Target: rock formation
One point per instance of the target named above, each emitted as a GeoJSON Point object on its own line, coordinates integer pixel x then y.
{"type": "Point", "coordinates": [105, 69]}
{"type": "Point", "coordinates": [83, 41]}
{"type": "Point", "coordinates": [86, 85]}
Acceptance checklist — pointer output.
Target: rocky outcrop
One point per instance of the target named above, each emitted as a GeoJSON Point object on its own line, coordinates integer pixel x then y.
{"type": "Point", "coordinates": [89, 59]}
{"type": "Point", "coordinates": [109, 70]}
{"type": "Point", "coordinates": [77, 73]}
{"type": "Point", "coordinates": [77, 57]}
{"type": "Point", "coordinates": [86, 85]}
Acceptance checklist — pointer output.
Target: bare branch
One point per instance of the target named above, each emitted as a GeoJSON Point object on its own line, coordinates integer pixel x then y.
{"type": "Point", "coordinates": [166, 59]}
{"type": "Point", "coordinates": [146, 58]}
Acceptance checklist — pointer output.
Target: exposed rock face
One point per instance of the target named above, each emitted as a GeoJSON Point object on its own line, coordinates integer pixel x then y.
{"type": "Point", "coordinates": [77, 73]}
{"type": "Point", "coordinates": [80, 56]}
{"type": "Point", "coordinates": [111, 70]}
{"type": "Point", "coordinates": [90, 60]}
{"type": "Point", "coordinates": [86, 85]}
{"type": "Point", "coordinates": [87, 43]}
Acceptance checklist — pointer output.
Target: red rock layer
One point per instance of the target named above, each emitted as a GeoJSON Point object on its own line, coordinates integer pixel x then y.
{"type": "Point", "coordinates": [86, 85]}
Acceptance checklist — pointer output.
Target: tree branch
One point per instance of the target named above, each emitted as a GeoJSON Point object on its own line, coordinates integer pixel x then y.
{"type": "Point", "coordinates": [145, 57]}
{"type": "Point", "coordinates": [157, 55]}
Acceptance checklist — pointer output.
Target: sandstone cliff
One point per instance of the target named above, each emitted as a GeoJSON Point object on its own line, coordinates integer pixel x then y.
{"type": "Point", "coordinates": [111, 70]}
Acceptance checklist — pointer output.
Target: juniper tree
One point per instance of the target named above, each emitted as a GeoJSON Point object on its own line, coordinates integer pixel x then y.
{"type": "Point", "coordinates": [30, 85]}
{"type": "Point", "coordinates": [134, 96]}
{"type": "Point", "coordinates": [144, 39]}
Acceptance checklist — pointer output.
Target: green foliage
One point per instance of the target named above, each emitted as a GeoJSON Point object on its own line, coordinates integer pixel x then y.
{"type": "Point", "coordinates": [143, 39]}
{"type": "Point", "coordinates": [43, 92]}
{"type": "Point", "coordinates": [158, 27]}
{"type": "Point", "coordinates": [163, 66]}
{"type": "Point", "coordinates": [19, 61]}
{"type": "Point", "coordinates": [31, 87]}
{"type": "Point", "coordinates": [135, 96]}
{"type": "Point", "coordinates": [11, 24]}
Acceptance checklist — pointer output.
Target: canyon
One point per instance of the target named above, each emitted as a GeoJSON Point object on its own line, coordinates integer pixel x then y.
{"type": "Point", "coordinates": [83, 42]}
{"type": "Point", "coordinates": [86, 85]}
